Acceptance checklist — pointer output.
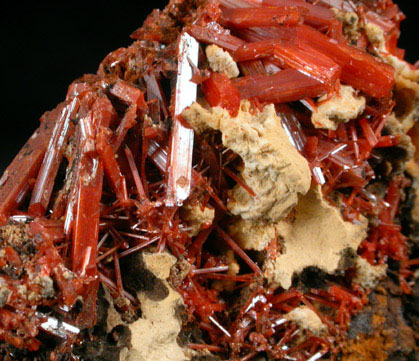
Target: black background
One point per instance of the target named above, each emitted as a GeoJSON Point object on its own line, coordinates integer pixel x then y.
{"type": "Point", "coordinates": [43, 48]}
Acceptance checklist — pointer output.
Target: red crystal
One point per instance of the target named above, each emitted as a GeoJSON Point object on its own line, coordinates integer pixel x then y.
{"type": "Point", "coordinates": [212, 33]}
{"type": "Point", "coordinates": [15, 181]}
{"type": "Point", "coordinates": [265, 16]}
{"type": "Point", "coordinates": [284, 86]}
{"type": "Point", "coordinates": [359, 69]}
{"type": "Point", "coordinates": [287, 55]}
{"type": "Point", "coordinates": [317, 16]}
{"type": "Point", "coordinates": [45, 181]}
{"type": "Point", "coordinates": [220, 91]}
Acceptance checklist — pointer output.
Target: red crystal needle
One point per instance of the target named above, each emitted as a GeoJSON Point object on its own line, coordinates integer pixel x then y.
{"type": "Point", "coordinates": [86, 226]}
{"type": "Point", "coordinates": [112, 169]}
{"type": "Point", "coordinates": [137, 180]}
{"type": "Point", "coordinates": [180, 160]}
{"type": "Point", "coordinates": [288, 55]}
{"type": "Point", "coordinates": [238, 250]}
{"type": "Point", "coordinates": [134, 98]}
{"type": "Point", "coordinates": [25, 166]}
{"type": "Point", "coordinates": [215, 34]}
{"type": "Point", "coordinates": [359, 69]}
{"type": "Point", "coordinates": [159, 156]}
{"type": "Point", "coordinates": [263, 16]}
{"type": "Point", "coordinates": [317, 16]}
{"type": "Point", "coordinates": [252, 67]}
{"type": "Point", "coordinates": [45, 181]}
{"type": "Point", "coordinates": [284, 86]}
{"type": "Point", "coordinates": [85, 230]}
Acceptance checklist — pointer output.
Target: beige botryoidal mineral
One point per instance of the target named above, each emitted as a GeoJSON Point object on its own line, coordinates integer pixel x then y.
{"type": "Point", "coordinates": [253, 234]}
{"type": "Point", "coordinates": [221, 61]}
{"type": "Point", "coordinates": [154, 334]}
{"type": "Point", "coordinates": [406, 87]}
{"type": "Point", "coordinates": [368, 275]}
{"type": "Point", "coordinates": [317, 236]}
{"type": "Point", "coordinates": [196, 217]}
{"type": "Point", "coordinates": [306, 319]}
{"type": "Point", "coordinates": [340, 108]}
{"type": "Point", "coordinates": [272, 167]}
{"type": "Point", "coordinates": [412, 168]}
{"type": "Point", "coordinates": [350, 22]}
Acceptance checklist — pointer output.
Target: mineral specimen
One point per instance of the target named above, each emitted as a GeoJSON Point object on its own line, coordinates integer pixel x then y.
{"type": "Point", "coordinates": [239, 183]}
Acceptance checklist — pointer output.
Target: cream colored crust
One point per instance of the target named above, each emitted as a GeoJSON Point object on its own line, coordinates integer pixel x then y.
{"type": "Point", "coordinates": [196, 217]}
{"type": "Point", "coordinates": [318, 236]}
{"type": "Point", "coordinates": [340, 108]}
{"type": "Point", "coordinates": [412, 168]}
{"type": "Point", "coordinates": [368, 275]}
{"type": "Point", "coordinates": [406, 78]}
{"type": "Point", "coordinates": [221, 61]}
{"type": "Point", "coordinates": [253, 234]}
{"type": "Point", "coordinates": [273, 168]}
{"type": "Point", "coordinates": [306, 319]}
{"type": "Point", "coordinates": [154, 334]}
{"type": "Point", "coordinates": [159, 264]}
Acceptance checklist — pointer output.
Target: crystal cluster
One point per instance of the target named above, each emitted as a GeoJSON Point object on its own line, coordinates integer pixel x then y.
{"type": "Point", "coordinates": [228, 134]}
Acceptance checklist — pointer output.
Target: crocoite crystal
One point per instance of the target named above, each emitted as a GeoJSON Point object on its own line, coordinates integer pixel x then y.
{"type": "Point", "coordinates": [118, 210]}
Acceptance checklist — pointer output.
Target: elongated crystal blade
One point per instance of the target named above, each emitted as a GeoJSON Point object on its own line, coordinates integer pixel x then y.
{"type": "Point", "coordinates": [180, 161]}
{"type": "Point", "coordinates": [46, 177]}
